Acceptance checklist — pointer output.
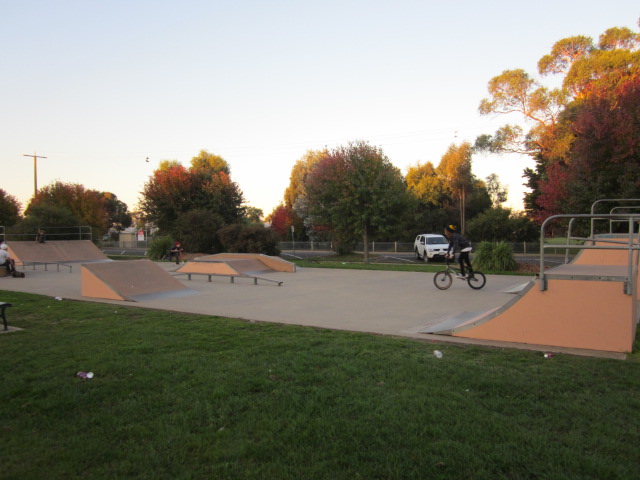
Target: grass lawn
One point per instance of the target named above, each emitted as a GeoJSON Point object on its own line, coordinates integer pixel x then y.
{"type": "Point", "coordinates": [181, 396]}
{"type": "Point", "coordinates": [383, 262]}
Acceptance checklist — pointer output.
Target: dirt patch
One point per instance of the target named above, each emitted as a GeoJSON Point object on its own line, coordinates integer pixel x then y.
{"type": "Point", "coordinates": [528, 268]}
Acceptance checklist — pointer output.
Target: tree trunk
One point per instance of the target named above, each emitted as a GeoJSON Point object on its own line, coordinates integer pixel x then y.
{"type": "Point", "coordinates": [365, 238]}
{"type": "Point", "coordinates": [462, 205]}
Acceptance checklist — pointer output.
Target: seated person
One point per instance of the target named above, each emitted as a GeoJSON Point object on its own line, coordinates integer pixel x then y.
{"type": "Point", "coordinates": [40, 237]}
{"type": "Point", "coordinates": [6, 260]}
{"type": "Point", "coordinates": [177, 251]}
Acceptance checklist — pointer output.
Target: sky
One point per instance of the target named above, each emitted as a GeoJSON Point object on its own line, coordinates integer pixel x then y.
{"type": "Point", "coordinates": [100, 86]}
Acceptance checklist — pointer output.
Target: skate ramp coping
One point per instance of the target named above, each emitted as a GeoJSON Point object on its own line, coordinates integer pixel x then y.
{"type": "Point", "coordinates": [55, 251]}
{"type": "Point", "coordinates": [132, 280]}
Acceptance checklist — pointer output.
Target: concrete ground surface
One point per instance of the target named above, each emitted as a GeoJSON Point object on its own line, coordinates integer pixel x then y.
{"type": "Point", "coordinates": [379, 302]}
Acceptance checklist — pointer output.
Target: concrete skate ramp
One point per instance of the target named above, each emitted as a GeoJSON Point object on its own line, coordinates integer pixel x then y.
{"type": "Point", "coordinates": [55, 251]}
{"type": "Point", "coordinates": [133, 280]}
{"type": "Point", "coordinates": [237, 264]}
{"type": "Point", "coordinates": [587, 309]}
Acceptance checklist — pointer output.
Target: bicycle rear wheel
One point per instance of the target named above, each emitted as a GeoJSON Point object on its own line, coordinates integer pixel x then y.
{"type": "Point", "coordinates": [442, 280]}
{"type": "Point", "coordinates": [477, 280]}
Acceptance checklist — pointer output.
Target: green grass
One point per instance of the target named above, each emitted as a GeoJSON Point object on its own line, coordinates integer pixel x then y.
{"type": "Point", "coordinates": [180, 396]}
{"type": "Point", "coordinates": [356, 262]}
{"type": "Point", "coordinates": [126, 257]}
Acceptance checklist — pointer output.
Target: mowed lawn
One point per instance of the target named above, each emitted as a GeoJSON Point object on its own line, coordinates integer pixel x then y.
{"type": "Point", "coordinates": [181, 396]}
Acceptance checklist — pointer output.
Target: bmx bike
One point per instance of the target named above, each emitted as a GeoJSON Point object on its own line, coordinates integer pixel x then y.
{"type": "Point", "coordinates": [444, 279]}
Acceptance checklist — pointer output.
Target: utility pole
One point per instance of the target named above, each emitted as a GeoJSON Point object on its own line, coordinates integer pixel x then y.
{"type": "Point", "coordinates": [35, 171]}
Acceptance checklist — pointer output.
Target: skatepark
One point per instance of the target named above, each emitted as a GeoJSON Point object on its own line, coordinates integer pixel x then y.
{"type": "Point", "coordinates": [587, 308]}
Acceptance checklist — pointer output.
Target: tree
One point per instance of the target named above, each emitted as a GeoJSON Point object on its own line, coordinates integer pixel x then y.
{"type": "Point", "coordinates": [502, 224]}
{"type": "Point", "coordinates": [455, 171]}
{"type": "Point", "coordinates": [295, 194]}
{"type": "Point", "coordinates": [9, 209]}
{"type": "Point", "coordinates": [604, 161]}
{"type": "Point", "coordinates": [117, 212]}
{"type": "Point", "coordinates": [85, 205]}
{"type": "Point", "coordinates": [198, 231]}
{"type": "Point", "coordinates": [166, 195]}
{"type": "Point", "coordinates": [356, 191]}
{"type": "Point", "coordinates": [425, 184]}
{"type": "Point", "coordinates": [238, 238]}
{"type": "Point", "coordinates": [253, 215]}
{"type": "Point", "coordinates": [174, 190]}
{"type": "Point", "coordinates": [209, 163]}
{"type": "Point", "coordinates": [497, 191]}
{"type": "Point", "coordinates": [588, 71]}
{"type": "Point", "coordinates": [281, 220]}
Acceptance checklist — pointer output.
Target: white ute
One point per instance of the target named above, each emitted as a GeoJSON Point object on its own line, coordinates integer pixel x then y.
{"type": "Point", "coordinates": [430, 246]}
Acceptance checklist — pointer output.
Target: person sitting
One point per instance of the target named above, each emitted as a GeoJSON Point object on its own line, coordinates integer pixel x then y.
{"type": "Point", "coordinates": [177, 251]}
{"type": "Point", "coordinates": [7, 261]}
{"type": "Point", "coordinates": [40, 237]}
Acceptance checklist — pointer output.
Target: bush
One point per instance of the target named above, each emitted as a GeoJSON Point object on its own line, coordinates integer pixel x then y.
{"type": "Point", "coordinates": [197, 230]}
{"type": "Point", "coordinates": [499, 224]}
{"type": "Point", "coordinates": [494, 257]}
{"type": "Point", "coordinates": [239, 238]}
{"type": "Point", "coordinates": [158, 248]}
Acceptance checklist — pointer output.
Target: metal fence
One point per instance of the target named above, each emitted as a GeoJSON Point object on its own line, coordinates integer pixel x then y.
{"type": "Point", "coordinates": [397, 247]}
{"type": "Point", "coordinates": [51, 233]}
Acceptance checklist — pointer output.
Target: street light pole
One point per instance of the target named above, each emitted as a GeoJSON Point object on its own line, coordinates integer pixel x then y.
{"type": "Point", "coordinates": [35, 171]}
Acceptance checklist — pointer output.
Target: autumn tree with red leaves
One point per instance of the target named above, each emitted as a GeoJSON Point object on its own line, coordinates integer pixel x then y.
{"type": "Point", "coordinates": [584, 134]}
{"type": "Point", "coordinates": [206, 187]}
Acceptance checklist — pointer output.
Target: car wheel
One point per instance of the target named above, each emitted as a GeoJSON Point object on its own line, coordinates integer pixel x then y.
{"type": "Point", "coordinates": [418, 257]}
{"type": "Point", "coordinates": [426, 258]}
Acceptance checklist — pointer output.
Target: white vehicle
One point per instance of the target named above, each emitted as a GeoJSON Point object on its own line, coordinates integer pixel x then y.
{"type": "Point", "coordinates": [430, 246]}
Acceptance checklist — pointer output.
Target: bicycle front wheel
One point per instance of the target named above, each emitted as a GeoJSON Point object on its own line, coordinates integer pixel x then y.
{"type": "Point", "coordinates": [477, 280]}
{"type": "Point", "coordinates": [442, 280]}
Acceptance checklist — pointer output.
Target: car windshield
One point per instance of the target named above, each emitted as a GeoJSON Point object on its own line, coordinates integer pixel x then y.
{"type": "Point", "coordinates": [436, 240]}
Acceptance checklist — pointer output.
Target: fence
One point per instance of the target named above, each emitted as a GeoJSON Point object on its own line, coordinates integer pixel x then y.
{"type": "Point", "coordinates": [399, 247]}
{"type": "Point", "coordinates": [51, 233]}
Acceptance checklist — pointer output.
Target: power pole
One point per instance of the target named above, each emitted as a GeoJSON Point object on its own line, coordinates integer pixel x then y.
{"type": "Point", "coordinates": [35, 171]}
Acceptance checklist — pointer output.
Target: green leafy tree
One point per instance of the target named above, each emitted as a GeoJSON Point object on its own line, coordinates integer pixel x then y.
{"type": "Point", "coordinates": [497, 191]}
{"type": "Point", "coordinates": [502, 224]}
{"type": "Point", "coordinates": [116, 211]}
{"type": "Point", "coordinates": [197, 231]}
{"type": "Point", "coordinates": [356, 191]}
{"type": "Point", "coordinates": [9, 209]}
{"type": "Point", "coordinates": [253, 215]}
{"type": "Point", "coordinates": [238, 238]}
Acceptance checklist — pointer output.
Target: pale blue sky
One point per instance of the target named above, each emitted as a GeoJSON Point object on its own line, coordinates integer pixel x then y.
{"type": "Point", "coordinates": [97, 86]}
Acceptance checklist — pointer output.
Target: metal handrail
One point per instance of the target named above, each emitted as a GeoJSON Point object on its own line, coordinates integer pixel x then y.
{"type": "Point", "coordinates": [602, 200]}
{"type": "Point", "coordinates": [631, 246]}
{"type": "Point", "coordinates": [633, 207]}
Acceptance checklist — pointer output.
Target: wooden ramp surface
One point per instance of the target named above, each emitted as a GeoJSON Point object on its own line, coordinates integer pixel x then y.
{"type": "Point", "coordinates": [55, 251]}
{"type": "Point", "coordinates": [134, 280]}
{"type": "Point", "coordinates": [237, 264]}
{"type": "Point", "coordinates": [588, 309]}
